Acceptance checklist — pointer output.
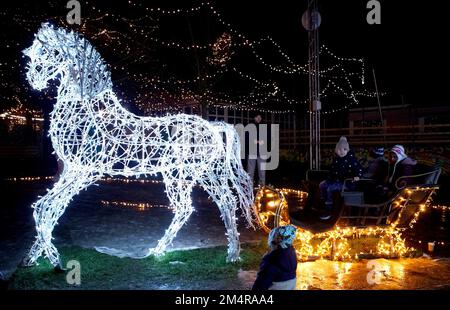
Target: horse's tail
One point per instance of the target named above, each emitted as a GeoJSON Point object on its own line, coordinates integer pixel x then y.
{"type": "Point", "coordinates": [239, 178]}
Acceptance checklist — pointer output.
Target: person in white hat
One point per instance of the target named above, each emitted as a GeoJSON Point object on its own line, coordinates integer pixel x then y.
{"type": "Point", "coordinates": [400, 165]}
{"type": "Point", "coordinates": [278, 267]}
{"type": "Point", "coordinates": [344, 166]}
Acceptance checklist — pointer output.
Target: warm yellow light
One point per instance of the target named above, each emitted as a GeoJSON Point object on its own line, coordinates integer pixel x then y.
{"type": "Point", "coordinates": [335, 244]}
{"type": "Point", "coordinates": [273, 203]}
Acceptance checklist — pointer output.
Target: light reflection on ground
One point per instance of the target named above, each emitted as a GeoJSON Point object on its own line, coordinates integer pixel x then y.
{"type": "Point", "coordinates": [417, 273]}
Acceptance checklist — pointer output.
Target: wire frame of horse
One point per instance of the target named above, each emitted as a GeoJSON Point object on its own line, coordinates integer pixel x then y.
{"type": "Point", "coordinates": [93, 135]}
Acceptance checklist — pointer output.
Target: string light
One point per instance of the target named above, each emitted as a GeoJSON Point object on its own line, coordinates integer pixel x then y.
{"type": "Point", "coordinates": [142, 206]}
{"type": "Point", "coordinates": [238, 40]}
{"type": "Point", "coordinates": [93, 135]}
{"type": "Point", "coordinates": [403, 199]}
{"type": "Point", "coordinates": [440, 207]}
{"type": "Point", "coordinates": [335, 244]}
{"type": "Point", "coordinates": [272, 210]}
{"type": "Point", "coordinates": [30, 179]}
{"type": "Point", "coordinates": [129, 180]}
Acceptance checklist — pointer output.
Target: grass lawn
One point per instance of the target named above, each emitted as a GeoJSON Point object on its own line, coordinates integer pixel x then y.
{"type": "Point", "coordinates": [190, 269]}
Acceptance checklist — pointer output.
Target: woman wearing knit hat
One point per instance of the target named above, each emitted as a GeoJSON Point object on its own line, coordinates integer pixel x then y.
{"type": "Point", "coordinates": [278, 268]}
{"type": "Point", "coordinates": [400, 165]}
{"type": "Point", "coordinates": [344, 166]}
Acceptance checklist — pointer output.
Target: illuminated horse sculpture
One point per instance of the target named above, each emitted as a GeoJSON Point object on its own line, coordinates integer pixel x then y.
{"type": "Point", "coordinates": [94, 136]}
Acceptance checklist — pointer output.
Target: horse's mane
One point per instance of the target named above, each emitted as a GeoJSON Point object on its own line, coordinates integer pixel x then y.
{"type": "Point", "coordinates": [85, 64]}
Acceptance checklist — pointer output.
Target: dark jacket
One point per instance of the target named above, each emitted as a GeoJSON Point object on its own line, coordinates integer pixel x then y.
{"type": "Point", "coordinates": [377, 170]}
{"type": "Point", "coordinates": [403, 168]}
{"type": "Point", "coordinates": [345, 168]}
{"type": "Point", "coordinates": [267, 141]}
{"type": "Point", "coordinates": [276, 266]}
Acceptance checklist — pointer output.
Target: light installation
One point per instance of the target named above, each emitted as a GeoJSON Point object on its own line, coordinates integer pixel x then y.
{"type": "Point", "coordinates": [272, 209]}
{"type": "Point", "coordinates": [93, 135]}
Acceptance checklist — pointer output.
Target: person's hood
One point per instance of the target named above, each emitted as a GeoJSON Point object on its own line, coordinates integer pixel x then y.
{"type": "Point", "coordinates": [409, 161]}
{"type": "Point", "coordinates": [404, 161]}
{"type": "Point", "coordinates": [400, 152]}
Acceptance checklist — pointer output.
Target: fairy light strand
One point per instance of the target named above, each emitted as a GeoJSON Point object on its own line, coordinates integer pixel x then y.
{"type": "Point", "coordinates": [241, 41]}
{"type": "Point", "coordinates": [271, 209]}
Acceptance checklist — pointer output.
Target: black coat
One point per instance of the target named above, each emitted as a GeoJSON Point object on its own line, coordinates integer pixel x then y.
{"type": "Point", "coordinates": [377, 170]}
{"type": "Point", "coordinates": [345, 168]}
{"type": "Point", "coordinates": [267, 141]}
{"type": "Point", "coordinates": [276, 266]}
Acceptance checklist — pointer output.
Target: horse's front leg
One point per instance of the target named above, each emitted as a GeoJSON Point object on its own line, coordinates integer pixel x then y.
{"type": "Point", "coordinates": [48, 210]}
{"type": "Point", "coordinates": [180, 199]}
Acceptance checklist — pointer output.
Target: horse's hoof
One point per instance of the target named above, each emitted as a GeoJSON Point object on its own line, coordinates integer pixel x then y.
{"type": "Point", "coordinates": [26, 263]}
{"type": "Point", "coordinates": [59, 269]}
{"type": "Point", "coordinates": [233, 260]}
{"type": "Point", "coordinates": [155, 253]}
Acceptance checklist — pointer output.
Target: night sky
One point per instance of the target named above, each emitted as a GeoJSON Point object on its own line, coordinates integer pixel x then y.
{"type": "Point", "coordinates": [408, 50]}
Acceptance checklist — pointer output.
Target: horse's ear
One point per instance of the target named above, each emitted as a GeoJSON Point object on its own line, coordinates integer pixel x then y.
{"type": "Point", "coordinates": [46, 25]}
{"type": "Point", "coordinates": [26, 52]}
{"type": "Point", "coordinates": [42, 34]}
{"type": "Point", "coordinates": [44, 28]}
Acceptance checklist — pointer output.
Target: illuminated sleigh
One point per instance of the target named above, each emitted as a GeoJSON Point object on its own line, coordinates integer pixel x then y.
{"type": "Point", "coordinates": [356, 229]}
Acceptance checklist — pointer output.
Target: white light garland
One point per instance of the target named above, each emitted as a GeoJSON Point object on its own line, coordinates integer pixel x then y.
{"type": "Point", "coordinates": [336, 76]}
{"type": "Point", "coordinates": [95, 136]}
{"type": "Point", "coordinates": [141, 206]}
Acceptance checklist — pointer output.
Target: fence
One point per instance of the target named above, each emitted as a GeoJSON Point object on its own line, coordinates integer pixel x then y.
{"type": "Point", "coordinates": [438, 134]}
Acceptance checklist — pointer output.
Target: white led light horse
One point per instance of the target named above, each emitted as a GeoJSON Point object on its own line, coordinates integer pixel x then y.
{"type": "Point", "coordinates": [94, 135]}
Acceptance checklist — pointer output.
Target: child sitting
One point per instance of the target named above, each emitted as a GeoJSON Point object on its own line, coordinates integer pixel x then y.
{"type": "Point", "coordinates": [344, 166]}
{"type": "Point", "coordinates": [278, 267]}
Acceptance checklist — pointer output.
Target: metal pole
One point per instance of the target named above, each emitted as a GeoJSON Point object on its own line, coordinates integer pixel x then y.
{"type": "Point", "coordinates": [379, 107]}
{"type": "Point", "coordinates": [312, 26]}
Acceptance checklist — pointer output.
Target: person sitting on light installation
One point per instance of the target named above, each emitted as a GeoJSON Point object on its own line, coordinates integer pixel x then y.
{"type": "Point", "coordinates": [95, 136]}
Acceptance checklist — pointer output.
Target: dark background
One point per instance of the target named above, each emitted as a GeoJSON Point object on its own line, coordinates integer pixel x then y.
{"type": "Point", "coordinates": [408, 50]}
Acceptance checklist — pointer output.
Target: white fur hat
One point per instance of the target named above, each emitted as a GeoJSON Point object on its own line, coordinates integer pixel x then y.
{"type": "Point", "coordinates": [342, 144]}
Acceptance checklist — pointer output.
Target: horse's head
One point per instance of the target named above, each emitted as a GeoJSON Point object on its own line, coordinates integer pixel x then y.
{"type": "Point", "coordinates": [46, 57]}
{"type": "Point", "coordinates": [57, 52]}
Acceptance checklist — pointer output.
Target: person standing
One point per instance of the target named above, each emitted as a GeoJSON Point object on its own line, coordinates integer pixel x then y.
{"type": "Point", "coordinates": [257, 163]}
